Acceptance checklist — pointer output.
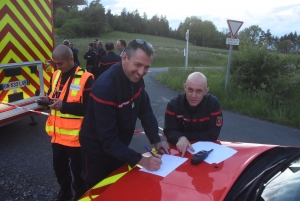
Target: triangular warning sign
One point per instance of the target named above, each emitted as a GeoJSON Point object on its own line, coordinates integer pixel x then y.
{"type": "Point", "coordinates": [234, 26]}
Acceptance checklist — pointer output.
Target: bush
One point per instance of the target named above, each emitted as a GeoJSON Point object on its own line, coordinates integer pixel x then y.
{"type": "Point", "coordinates": [73, 28]}
{"type": "Point", "coordinates": [266, 75]}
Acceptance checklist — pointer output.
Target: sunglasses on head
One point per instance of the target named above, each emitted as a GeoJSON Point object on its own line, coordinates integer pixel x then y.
{"type": "Point", "coordinates": [143, 42]}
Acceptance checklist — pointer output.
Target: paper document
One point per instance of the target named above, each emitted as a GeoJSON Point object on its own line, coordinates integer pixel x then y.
{"type": "Point", "coordinates": [169, 163]}
{"type": "Point", "coordinates": [219, 153]}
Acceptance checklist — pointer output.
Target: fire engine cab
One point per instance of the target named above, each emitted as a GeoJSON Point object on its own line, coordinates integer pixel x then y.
{"type": "Point", "coordinates": [26, 35]}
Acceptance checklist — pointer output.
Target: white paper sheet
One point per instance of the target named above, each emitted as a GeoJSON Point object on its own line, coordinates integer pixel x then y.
{"type": "Point", "coordinates": [219, 153]}
{"type": "Point", "coordinates": [169, 163]}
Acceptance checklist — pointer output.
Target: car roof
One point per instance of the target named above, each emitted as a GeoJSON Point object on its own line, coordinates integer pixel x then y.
{"type": "Point", "coordinates": [203, 182]}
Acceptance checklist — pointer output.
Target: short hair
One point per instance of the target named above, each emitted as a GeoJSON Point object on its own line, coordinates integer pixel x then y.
{"type": "Point", "coordinates": [66, 42]}
{"type": "Point", "coordinates": [109, 46]}
{"type": "Point", "coordinates": [139, 43]}
{"type": "Point", "coordinates": [62, 51]}
{"type": "Point", "coordinates": [99, 43]}
{"type": "Point", "coordinates": [123, 42]}
{"type": "Point", "coordinates": [91, 44]}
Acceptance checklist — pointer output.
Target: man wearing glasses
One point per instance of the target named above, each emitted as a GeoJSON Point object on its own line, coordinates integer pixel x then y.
{"type": "Point", "coordinates": [195, 115]}
{"type": "Point", "coordinates": [117, 99]}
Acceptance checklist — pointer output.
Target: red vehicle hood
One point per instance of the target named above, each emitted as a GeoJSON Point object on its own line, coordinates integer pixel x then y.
{"type": "Point", "coordinates": [205, 182]}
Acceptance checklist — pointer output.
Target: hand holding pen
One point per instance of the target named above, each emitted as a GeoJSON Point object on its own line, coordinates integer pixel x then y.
{"type": "Point", "coordinates": [154, 155]}
{"type": "Point", "coordinates": [150, 163]}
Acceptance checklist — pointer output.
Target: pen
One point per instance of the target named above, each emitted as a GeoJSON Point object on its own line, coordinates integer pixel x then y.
{"type": "Point", "coordinates": [148, 150]}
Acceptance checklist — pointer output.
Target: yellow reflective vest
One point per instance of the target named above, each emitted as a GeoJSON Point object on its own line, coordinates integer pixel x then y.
{"type": "Point", "coordinates": [64, 128]}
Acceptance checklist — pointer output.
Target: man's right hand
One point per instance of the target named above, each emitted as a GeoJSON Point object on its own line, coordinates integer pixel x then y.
{"type": "Point", "coordinates": [151, 163]}
{"type": "Point", "coordinates": [182, 144]}
{"type": "Point", "coordinates": [45, 99]}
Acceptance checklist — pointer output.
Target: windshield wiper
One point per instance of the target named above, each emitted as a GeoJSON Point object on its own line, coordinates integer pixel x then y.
{"type": "Point", "coordinates": [249, 187]}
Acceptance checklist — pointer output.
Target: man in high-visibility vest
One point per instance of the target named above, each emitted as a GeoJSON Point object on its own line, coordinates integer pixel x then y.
{"type": "Point", "coordinates": [69, 91]}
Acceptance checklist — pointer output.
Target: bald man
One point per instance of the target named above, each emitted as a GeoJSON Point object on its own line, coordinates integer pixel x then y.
{"type": "Point", "coordinates": [69, 92]}
{"type": "Point", "coordinates": [194, 115]}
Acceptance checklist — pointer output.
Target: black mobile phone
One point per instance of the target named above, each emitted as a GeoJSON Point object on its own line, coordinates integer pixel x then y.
{"type": "Point", "coordinates": [44, 102]}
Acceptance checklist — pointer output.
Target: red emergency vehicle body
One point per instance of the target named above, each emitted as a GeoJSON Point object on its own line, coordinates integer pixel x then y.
{"type": "Point", "coordinates": [205, 182]}
{"type": "Point", "coordinates": [26, 35]}
{"type": "Point", "coordinates": [26, 45]}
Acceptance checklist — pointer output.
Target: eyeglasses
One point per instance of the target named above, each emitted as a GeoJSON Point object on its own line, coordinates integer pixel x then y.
{"type": "Point", "coordinates": [143, 42]}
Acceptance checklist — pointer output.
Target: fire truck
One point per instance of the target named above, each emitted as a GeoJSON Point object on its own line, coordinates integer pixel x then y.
{"type": "Point", "coordinates": [26, 45]}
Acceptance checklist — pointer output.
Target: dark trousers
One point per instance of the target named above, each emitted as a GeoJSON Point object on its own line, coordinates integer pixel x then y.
{"type": "Point", "coordinates": [96, 167]}
{"type": "Point", "coordinates": [67, 161]}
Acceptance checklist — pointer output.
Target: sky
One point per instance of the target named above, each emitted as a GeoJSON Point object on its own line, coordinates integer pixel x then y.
{"type": "Point", "coordinates": [280, 16]}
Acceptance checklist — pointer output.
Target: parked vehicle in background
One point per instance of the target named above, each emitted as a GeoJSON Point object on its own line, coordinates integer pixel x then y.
{"type": "Point", "coordinates": [26, 35]}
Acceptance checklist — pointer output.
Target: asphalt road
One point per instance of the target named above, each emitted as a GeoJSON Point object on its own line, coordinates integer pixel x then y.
{"type": "Point", "coordinates": [26, 171]}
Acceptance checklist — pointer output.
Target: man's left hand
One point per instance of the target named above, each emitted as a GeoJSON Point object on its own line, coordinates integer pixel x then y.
{"type": "Point", "coordinates": [162, 147]}
{"type": "Point", "coordinates": [57, 105]}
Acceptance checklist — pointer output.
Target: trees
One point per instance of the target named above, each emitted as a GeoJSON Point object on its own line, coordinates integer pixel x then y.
{"type": "Point", "coordinates": [95, 21]}
{"type": "Point", "coordinates": [95, 17]}
{"type": "Point", "coordinates": [203, 33]}
{"type": "Point", "coordinates": [252, 36]}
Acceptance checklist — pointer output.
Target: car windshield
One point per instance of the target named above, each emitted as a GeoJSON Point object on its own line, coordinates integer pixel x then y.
{"type": "Point", "coordinates": [284, 186]}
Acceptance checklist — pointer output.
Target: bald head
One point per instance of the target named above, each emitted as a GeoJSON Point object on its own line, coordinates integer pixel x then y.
{"type": "Point", "coordinates": [62, 51]}
{"type": "Point", "coordinates": [195, 88]}
{"type": "Point", "coordinates": [62, 56]}
{"type": "Point", "coordinates": [197, 78]}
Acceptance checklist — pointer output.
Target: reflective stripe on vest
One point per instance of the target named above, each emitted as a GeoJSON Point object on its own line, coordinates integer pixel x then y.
{"type": "Point", "coordinates": [76, 81]}
{"type": "Point", "coordinates": [64, 128]}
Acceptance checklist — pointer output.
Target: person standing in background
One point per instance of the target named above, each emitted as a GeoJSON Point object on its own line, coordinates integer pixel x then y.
{"type": "Point", "coordinates": [121, 45]}
{"type": "Point", "coordinates": [75, 51]}
{"type": "Point", "coordinates": [90, 57]}
{"type": "Point", "coordinates": [100, 52]}
{"type": "Point", "coordinates": [75, 55]}
{"type": "Point", "coordinates": [107, 61]}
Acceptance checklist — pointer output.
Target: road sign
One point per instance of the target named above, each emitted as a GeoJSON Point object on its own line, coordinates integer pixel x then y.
{"type": "Point", "coordinates": [234, 26]}
{"type": "Point", "coordinates": [232, 41]}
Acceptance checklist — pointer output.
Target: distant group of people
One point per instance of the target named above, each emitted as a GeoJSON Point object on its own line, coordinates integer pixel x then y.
{"type": "Point", "coordinates": [92, 122]}
{"type": "Point", "coordinates": [98, 59]}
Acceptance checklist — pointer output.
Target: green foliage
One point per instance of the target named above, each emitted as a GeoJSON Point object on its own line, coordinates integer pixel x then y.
{"type": "Point", "coordinates": [73, 28]}
{"type": "Point", "coordinates": [168, 51]}
{"type": "Point", "coordinates": [60, 17]}
{"type": "Point", "coordinates": [275, 99]}
{"type": "Point", "coordinates": [202, 33]}
{"type": "Point", "coordinates": [266, 74]}
{"type": "Point", "coordinates": [256, 104]}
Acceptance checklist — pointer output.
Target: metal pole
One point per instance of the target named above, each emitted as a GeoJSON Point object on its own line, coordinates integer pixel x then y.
{"type": "Point", "coordinates": [187, 49]}
{"type": "Point", "coordinates": [228, 67]}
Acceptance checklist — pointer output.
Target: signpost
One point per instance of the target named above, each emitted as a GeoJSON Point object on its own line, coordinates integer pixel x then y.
{"type": "Point", "coordinates": [234, 27]}
{"type": "Point", "coordinates": [187, 35]}
{"type": "Point", "coordinates": [232, 41]}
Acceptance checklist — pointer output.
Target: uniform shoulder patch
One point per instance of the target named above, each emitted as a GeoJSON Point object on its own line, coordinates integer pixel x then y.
{"type": "Point", "coordinates": [219, 121]}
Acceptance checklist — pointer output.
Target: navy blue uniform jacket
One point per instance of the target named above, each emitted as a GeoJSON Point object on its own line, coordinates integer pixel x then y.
{"type": "Point", "coordinates": [106, 62]}
{"type": "Point", "coordinates": [200, 123]}
{"type": "Point", "coordinates": [115, 104]}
